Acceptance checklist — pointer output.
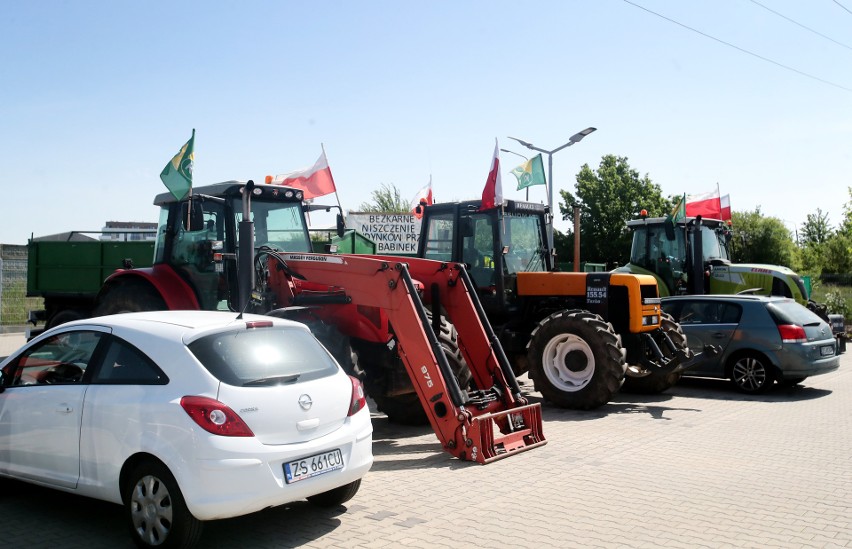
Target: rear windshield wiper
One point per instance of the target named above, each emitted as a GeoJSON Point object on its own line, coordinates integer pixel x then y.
{"type": "Point", "coordinates": [273, 380]}
{"type": "Point", "coordinates": [810, 324]}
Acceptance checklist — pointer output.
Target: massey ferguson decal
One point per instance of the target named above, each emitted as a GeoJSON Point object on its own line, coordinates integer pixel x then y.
{"type": "Point", "coordinates": [316, 258]}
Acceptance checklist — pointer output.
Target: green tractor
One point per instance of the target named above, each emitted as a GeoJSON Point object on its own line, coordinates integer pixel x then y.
{"type": "Point", "coordinates": [692, 257]}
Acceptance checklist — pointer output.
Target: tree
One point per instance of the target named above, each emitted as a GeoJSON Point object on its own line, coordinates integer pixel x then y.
{"type": "Point", "coordinates": [386, 199]}
{"type": "Point", "coordinates": [838, 254]}
{"type": "Point", "coordinates": [816, 229]}
{"type": "Point", "coordinates": [608, 198]}
{"type": "Point", "coordinates": [846, 224]}
{"type": "Point", "coordinates": [761, 239]}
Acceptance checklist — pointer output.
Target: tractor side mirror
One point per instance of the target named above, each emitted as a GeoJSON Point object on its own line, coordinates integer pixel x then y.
{"type": "Point", "coordinates": [466, 227]}
{"type": "Point", "coordinates": [194, 220]}
{"type": "Point", "coordinates": [668, 227]}
{"type": "Point", "coordinates": [341, 226]}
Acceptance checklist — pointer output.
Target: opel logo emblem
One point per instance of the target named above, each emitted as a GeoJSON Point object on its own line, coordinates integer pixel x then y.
{"type": "Point", "coordinates": [305, 402]}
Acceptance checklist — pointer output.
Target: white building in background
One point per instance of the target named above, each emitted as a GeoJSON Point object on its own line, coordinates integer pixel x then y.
{"type": "Point", "coordinates": [129, 230]}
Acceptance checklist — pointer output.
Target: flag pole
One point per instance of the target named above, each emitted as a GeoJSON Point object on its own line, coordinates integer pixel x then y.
{"type": "Point", "coordinates": [337, 196]}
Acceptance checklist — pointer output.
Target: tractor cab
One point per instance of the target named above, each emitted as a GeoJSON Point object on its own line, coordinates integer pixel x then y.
{"type": "Point", "coordinates": [495, 244]}
{"type": "Point", "coordinates": [679, 255]}
{"type": "Point", "coordinates": [693, 257]}
{"type": "Point", "coordinates": [194, 235]}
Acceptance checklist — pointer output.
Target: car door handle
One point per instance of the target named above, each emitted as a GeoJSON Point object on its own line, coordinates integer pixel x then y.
{"type": "Point", "coordinates": [64, 409]}
{"type": "Point", "coordinates": [719, 335]}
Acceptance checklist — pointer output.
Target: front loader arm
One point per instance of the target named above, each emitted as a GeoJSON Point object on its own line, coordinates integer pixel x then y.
{"type": "Point", "coordinates": [464, 421]}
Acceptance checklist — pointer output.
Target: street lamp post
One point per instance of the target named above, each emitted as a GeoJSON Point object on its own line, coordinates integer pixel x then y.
{"type": "Point", "coordinates": [576, 138]}
{"type": "Point", "coordinates": [525, 158]}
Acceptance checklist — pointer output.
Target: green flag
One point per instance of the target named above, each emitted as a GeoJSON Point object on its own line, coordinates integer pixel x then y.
{"type": "Point", "coordinates": [679, 211]}
{"type": "Point", "coordinates": [530, 173]}
{"type": "Point", "coordinates": [177, 175]}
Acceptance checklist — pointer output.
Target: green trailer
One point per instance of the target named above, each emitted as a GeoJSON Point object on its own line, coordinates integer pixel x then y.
{"type": "Point", "coordinates": [68, 274]}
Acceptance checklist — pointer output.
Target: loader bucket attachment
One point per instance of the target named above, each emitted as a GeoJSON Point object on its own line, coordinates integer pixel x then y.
{"type": "Point", "coordinates": [525, 433]}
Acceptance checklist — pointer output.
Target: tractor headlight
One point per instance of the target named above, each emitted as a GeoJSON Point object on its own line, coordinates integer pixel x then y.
{"type": "Point", "coordinates": [650, 320]}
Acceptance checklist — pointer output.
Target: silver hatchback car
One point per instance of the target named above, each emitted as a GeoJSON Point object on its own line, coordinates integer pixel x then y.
{"type": "Point", "coordinates": [760, 339]}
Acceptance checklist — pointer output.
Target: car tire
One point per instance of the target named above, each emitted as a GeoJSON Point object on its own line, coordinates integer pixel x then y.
{"type": "Point", "coordinates": [156, 511]}
{"type": "Point", "coordinates": [337, 496]}
{"type": "Point", "coordinates": [576, 359]}
{"type": "Point", "coordinates": [751, 373]}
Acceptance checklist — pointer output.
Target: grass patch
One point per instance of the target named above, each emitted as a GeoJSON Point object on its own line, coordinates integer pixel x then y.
{"type": "Point", "coordinates": [14, 303]}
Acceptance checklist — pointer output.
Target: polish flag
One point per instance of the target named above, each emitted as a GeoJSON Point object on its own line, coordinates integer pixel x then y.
{"type": "Point", "coordinates": [423, 198]}
{"type": "Point", "coordinates": [706, 205]}
{"type": "Point", "coordinates": [492, 194]}
{"type": "Point", "coordinates": [726, 207]}
{"type": "Point", "coordinates": [316, 181]}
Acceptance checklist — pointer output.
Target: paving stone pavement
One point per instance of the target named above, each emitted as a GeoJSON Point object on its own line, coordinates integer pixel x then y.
{"type": "Point", "coordinates": [698, 466]}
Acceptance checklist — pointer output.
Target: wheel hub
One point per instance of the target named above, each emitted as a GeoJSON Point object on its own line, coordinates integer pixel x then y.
{"type": "Point", "coordinates": [151, 510]}
{"type": "Point", "coordinates": [568, 362]}
{"type": "Point", "coordinates": [576, 361]}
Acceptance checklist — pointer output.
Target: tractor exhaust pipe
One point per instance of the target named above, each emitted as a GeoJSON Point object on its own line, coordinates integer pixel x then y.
{"type": "Point", "coordinates": [245, 265]}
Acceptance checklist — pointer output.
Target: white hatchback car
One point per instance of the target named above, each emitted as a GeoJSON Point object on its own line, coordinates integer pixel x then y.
{"type": "Point", "coordinates": [182, 417]}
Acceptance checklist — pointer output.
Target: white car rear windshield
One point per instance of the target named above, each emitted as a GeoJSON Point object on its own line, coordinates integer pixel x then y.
{"type": "Point", "coordinates": [264, 356]}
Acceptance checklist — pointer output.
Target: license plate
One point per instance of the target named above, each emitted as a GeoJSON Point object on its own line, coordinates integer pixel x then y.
{"type": "Point", "coordinates": [311, 466]}
{"type": "Point", "coordinates": [826, 350]}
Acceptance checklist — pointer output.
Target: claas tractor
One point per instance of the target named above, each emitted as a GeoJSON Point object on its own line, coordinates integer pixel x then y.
{"type": "Point", "coordinates": [579, 336]}
{"type": "Point", "coordinates": [411, 329]}
{"type": "Point", "coordinates": [692, 257]}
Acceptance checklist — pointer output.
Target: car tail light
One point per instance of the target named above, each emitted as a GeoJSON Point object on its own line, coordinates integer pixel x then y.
{"type": "Point", "coordinates": [214, 417]}
{"type": "Point", "coordinates": [358, 401]}
{"type": "Point", "coordinates": [252, 324]}
{"type": "Point", "coordinates": [790, 333]}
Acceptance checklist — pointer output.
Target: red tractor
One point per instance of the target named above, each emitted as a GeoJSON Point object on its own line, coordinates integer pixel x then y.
{"type": "Point", "coordinates": [412, 329]}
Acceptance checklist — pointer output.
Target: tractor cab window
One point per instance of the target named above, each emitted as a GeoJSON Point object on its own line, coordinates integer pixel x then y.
{"type": "Point", "coordinates": [280, 225]}
{"type": "Point", "coordinates": [439, 238]}
{"type": "Point", "coordinates": [478, 248]}
{"type": "Point", "coordinates": [523, 236]}
{"type": "Point", "coordinates": [162, 231]}
{"type": "Point", "coordinates": [639, 251]}
{"type": "Point", "coordinates": [713, 244]}
{"type": "Point", "coordinates": [196, 236]}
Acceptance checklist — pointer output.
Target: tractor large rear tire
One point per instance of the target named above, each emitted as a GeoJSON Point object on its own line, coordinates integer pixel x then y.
{"type": "Point", "coordinates": [406, 408]}
{"type": "Point", "coordinates": [658, 381]}
{"type": "Point", "coordinates": [576, 359]}
{"type": "Point", "coordinates": [130, 297]}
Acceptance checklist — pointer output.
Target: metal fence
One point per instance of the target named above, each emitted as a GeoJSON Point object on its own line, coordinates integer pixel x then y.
{"type": "Point", "coordinates": [14, 303]}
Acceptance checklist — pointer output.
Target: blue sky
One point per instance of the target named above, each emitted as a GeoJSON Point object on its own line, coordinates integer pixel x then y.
{"type": "Point", "coordinates": [96, 97]}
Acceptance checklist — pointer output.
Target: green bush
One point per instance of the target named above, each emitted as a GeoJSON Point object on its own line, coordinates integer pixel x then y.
{"type": "Point", "coordinates": [837, 303]}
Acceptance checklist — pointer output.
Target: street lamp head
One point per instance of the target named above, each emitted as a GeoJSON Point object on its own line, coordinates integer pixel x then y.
{"type": "Point", "coordinates": [524, 143]}
{"type": "Point", "coordinates": [577, 137]}
{"type": "Point", "coordinates": [513, 152]}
